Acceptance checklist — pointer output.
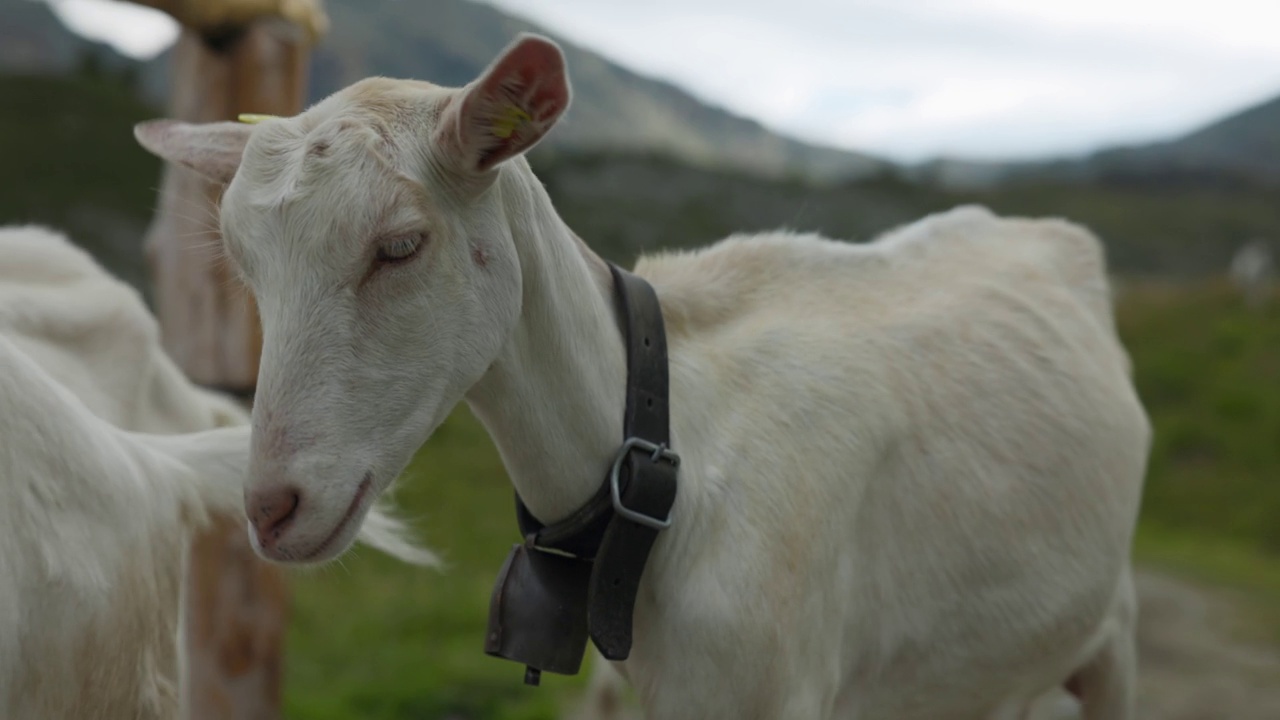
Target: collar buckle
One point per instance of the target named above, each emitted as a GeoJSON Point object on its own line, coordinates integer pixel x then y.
{"type": "Point", "coordinates": [657, 451]}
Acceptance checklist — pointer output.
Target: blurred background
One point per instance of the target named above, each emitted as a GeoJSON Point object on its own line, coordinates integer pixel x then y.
{"type": "Point", "coordinates": [1156, 125]}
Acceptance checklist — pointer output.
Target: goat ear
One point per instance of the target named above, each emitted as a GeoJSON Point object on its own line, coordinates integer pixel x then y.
{"type": "Point", "coordinates": [211, 149]}
{"type": "Point", "coordinates": [509, 109]}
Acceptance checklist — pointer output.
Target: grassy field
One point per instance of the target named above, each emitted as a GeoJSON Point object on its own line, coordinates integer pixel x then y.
{"type": "Point", "coordinates": [1209, 373]}
{"type": "Point", "coordinates": [1208, 370]}
{"type": "Point", "coordinates": [372, 639]}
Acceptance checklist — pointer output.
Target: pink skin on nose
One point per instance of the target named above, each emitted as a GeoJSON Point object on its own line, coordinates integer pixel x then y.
{"type": "Point", "coordinates": [271, 511]}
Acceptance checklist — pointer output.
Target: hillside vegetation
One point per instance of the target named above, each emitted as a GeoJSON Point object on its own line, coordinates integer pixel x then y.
{"type": "Point", "coordinates": [72, 161]}
{"type": "Point", "coordinates": [1239, 150]}
{"type": "Point", "coordinates": [1244, 146]}
{"type": "Point", "coordinates": [624, 205]}
{"type": "Point", "coordinates": [68, 159]}
{"type": "Point", "coordinates": [1208, 371]}
{"type": "Point", "coordinates": [450, 42]}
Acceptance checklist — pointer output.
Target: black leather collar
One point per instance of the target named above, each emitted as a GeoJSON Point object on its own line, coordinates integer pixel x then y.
{"type": "Point", "coordinates": [579, 577]}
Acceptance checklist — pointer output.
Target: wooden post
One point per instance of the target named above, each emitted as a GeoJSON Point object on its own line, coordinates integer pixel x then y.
{"type": "Point", "coordinates": [237, 605]}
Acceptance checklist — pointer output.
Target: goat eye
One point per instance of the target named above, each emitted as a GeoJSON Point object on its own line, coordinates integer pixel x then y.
{"type": "Point", "coordinates": [400, 249]}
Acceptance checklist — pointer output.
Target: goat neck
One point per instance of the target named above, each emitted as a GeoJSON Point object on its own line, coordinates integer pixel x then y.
{"type": "Point", "coordinates": [553, 401]}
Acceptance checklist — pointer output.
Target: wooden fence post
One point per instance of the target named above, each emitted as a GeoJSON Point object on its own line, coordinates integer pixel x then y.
{"type": "Point", "coordinates": [237, 605]}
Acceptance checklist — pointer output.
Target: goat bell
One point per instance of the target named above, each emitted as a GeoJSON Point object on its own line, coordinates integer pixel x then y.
{"type": "Point", "coordinates": [538, 612]}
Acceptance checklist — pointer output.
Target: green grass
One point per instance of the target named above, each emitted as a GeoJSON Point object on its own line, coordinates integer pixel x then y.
{"type": "Point", "coordinates": [374, 639]}
{"type": "Point", "coordinates": [1208, 370]}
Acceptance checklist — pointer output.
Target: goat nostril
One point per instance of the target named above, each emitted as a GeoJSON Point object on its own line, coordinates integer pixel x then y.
{"type": "Point", "coordinates": [292, 504]}
{"type": "Point", "coordinates": [276, 511]}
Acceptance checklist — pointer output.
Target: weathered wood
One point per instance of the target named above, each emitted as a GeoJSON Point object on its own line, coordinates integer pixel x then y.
{"type": "Point", "coordinates": [237, 614]}
{"type": "Point", "coordinates": [214, 16]}
{"type": "Point", "coordinates": [237, 605]}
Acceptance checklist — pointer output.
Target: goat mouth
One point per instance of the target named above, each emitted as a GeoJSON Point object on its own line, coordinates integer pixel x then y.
{"type": "Point", "coordinates": [352, 510]}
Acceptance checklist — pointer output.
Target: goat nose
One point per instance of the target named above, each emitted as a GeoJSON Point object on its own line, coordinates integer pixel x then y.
{"type": "Point", "coordinates": [271, 510]}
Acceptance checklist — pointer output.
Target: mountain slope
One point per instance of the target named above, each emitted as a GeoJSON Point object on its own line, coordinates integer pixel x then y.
{"type": "Point", "coordinates": [450, 42]}
{"type": "Point", "coordinates": [1242, 146]}
{"type": "Point", "coordinates": [1242, 149]}
{"type": "Point", "coordinates": [34, 41]}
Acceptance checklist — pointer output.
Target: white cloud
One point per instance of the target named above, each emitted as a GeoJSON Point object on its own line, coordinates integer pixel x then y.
{"type": "Point", "coordinates": [989, 78]}
{"type": "Point", "coordinates": [133, 30]}
{"type": "Point", "coordinates": [994, 78]}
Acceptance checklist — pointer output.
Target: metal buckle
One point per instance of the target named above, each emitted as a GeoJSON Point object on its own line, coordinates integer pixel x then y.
{"type": "Point", "coordinates": [658, 452]}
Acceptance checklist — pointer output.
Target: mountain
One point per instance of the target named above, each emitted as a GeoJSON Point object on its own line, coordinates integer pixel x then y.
{"type": "Point", "coordinates": [34, 41]}
{"type": "Point", "coordinates": [70, 161]}
{"type": "Point", "coordinates": [1242, 149]}
{"type": "Point", "coordinates": [624, 206]}
{"type": "Point", "coordinates": [450, 42]}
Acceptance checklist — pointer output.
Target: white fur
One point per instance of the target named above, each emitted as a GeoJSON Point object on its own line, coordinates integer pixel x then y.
{"type": "Point", "coordinates": [911, 470]}
{"type": "Point", "coordinates": [109, 461]}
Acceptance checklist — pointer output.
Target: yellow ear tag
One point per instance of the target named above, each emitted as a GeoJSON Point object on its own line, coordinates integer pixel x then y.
{"type": "Point", "coordinates": [252, 119]}
{"type": "Point", "coordinates": [511, 118]}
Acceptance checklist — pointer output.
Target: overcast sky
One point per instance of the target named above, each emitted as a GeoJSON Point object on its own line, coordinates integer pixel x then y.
{"type": "Point", "coordinates": [907, 79]}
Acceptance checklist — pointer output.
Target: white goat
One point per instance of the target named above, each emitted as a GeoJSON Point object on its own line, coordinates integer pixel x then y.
{"type": "Point", "coordinates": [1251, 271]}
{"type": "Point", "coordinates": [95, 518]}
{"type": "Point", "coordinates": [911, 469]}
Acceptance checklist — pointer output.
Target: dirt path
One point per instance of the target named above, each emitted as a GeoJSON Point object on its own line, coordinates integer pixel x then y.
{"type": "Point", "coordinates": [1198, 654]}
{"type": "Point", "coordinates": [1196, 657]}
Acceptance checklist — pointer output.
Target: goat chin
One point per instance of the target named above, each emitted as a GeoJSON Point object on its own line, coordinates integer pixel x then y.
{"type": "Point", "coordinates": [215, 462]}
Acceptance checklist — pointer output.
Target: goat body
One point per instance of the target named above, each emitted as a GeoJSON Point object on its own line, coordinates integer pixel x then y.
{"type": "Point", "coordinates": [911, 468]}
